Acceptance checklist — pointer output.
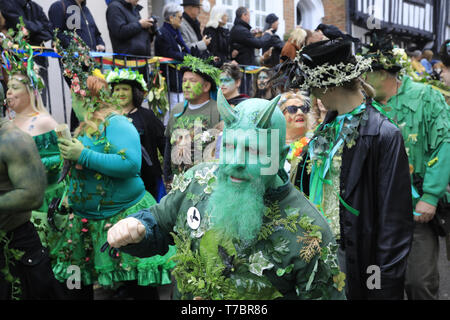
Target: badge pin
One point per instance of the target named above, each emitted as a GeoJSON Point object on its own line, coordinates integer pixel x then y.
{"type": "Point", "coordinates": [193, 218]}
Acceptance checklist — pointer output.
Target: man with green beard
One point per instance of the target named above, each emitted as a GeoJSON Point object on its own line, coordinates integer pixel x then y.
{"type": "Point", "coordinates": [241, 229]}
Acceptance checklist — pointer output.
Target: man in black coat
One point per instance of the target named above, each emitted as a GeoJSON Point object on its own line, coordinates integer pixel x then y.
{"type": "Point", "coordinates": [275, 43]}
{"type": "Point", "coordinates": [356, 170]}
{"type": "Point", "coordinates": [244, 41]}
{"type": "Point", "coordinates": [129, 33]}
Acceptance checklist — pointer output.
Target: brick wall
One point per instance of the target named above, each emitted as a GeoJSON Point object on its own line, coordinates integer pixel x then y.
{"type": "Point", "coordinates": [335, 13]}
{"type": "Point", "coordinates": [289, 15]}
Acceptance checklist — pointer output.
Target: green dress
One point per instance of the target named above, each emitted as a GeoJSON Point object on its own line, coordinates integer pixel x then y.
{"type": "Point", "coordinates": [47, 145]}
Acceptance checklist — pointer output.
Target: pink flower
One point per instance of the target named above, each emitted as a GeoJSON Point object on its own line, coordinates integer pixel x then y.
{"type": "Point", "coordinates": [70, 225]}
{"type": "Point", "coordinates": [71, 216]}
{"type": "Point", "coordinates": [84, 220]}
{"type": "Point", "coordinates": [84, 230]}
{"type": "Point", "coordinates": [69, 241]}
{"type": "Point", "coordinates": [87, 259]}
{"type": "Point", "coordinates": [83, 93]}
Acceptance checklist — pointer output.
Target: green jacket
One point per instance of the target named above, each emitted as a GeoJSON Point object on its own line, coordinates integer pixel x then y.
{"type": "Point", "coordinates": [277, 265]}
{"type": "Point", "coordinates": [423, 116]}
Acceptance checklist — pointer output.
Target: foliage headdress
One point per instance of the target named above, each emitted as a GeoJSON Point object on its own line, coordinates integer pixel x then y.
{"type": "Point", "coordinates": [321, 64]}
{"type": "Point", "coordinates": [203, 68]}
{"type": "Point", "coordinates": [127, 76]}
{"type": "Point", "coordinates": [18, 56]}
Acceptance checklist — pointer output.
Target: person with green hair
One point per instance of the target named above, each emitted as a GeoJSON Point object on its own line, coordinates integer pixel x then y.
{"type": "Point", "coordinates": [189, 133]}
{"type": "Point", "coordinates": [130, 88]}
{"type": "Point", "coordinates": [242, 230]}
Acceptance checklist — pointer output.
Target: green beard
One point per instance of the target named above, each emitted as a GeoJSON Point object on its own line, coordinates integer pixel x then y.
{"type": "Point", "coordinates": [237, 210]}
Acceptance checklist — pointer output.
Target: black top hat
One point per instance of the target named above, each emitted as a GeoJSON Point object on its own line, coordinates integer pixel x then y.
{"type": "Point", "coordinates": [195, 3]}
{"type": "Point", "coordinates": [323, 64]}
{"type": "Point", "coordinates": [381, 46]}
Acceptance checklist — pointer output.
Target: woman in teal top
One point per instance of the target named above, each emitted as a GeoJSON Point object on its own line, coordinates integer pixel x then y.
{"type": "Point", "coordinates": [31, 117]}
{"type": "Point", "coordinates": [104, 187]}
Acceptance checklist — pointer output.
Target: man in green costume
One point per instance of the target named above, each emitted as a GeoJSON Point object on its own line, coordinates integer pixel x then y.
{"type": "Point", "coordinates": [191, 121]}
{"type": "Point", "coordinates": [423, 116]}
{"type": "Point", "coordinates": [242, 230]}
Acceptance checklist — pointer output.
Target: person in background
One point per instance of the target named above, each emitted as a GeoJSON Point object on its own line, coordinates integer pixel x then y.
{"type": "Point", "coordinates": [262, 87]}
{"type": "Point", "coordinates": [295, 42]}
{"type": "Point", "coordinates": [170, 44]}
{"type": "Point", "coordinates": [230, 80]}
{"type": "Point", "coordinates": [415, 62]}
{"type": "Point", "coordinates": [275, 45]}
{"type": "Point", "coordinates": [130, 88]}
{"type": "Point", "coordinates": [219, 35]}
{"type": "Point", "coordinates": [295, 108]}
{"type": "Point", "coordinates": [245, 42]}
{"type": "Point", "coordinates": [130, 34]}
{"type": "Point", "coordinates": [444, 54]}
{"type": "Point", "coordinates": [190, 29]}
{"type": "Point", "coordinates": [427, 56]}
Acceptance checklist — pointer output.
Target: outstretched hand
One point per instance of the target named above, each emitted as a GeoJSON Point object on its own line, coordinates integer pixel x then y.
{"type": "Point", "coordinates": [70, 149]}
{"type": "Point", "coordinates": [126, 231]}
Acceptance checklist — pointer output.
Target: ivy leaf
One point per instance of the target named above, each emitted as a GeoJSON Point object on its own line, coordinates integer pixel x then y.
{"type": "Point", "coordinates": [258, 263]}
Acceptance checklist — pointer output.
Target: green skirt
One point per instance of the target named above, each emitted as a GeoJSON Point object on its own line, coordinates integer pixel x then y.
{"type": "Point", "coordinates": [79, 245]}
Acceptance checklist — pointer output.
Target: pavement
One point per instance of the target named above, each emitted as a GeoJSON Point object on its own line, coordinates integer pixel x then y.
{"type": "Point", "coordinates": [444, 271]}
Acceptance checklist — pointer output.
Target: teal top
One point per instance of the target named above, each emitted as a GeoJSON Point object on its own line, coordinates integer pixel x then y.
{"type": "Point", "coordinates": [423, 117]}
{"type": "Point", "coordinates": [106, 179]}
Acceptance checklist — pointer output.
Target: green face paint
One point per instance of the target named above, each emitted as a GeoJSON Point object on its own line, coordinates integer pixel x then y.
{"type": "Point", "coordinates": [192, 90]}
{"type": "Point", "coordinates": [124, 94]}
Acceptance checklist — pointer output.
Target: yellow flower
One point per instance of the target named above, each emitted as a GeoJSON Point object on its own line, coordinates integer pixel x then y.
{"type": "Point", "coordinates": [98, 74]}
{"type": "Point", "coordinates": [339, 281]}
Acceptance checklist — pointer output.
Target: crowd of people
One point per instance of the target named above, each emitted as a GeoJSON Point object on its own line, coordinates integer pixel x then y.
{"type": "Point", "coordinates": [333, 162]}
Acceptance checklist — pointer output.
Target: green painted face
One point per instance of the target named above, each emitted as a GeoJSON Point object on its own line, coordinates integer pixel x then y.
{"type": "Point", "coordinates": [78, 107]}
{"type": "Point", "coordinates": [192, 90]}
{"type": "Point", "coordinates": [251, 153]}
{"type": "Point", "coordinates": [124, 93]}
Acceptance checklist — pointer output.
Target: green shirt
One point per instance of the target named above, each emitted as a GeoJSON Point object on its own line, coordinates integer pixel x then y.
{"type": "Point", "coordinates": [423, 117]}
{"type": "Point", "coordinates": [275, 260]}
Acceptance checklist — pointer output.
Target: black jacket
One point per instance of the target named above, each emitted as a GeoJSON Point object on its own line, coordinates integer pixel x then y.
{"type": "Point", "coordinates": [88, 31]}
{"type": "Point", "coordinates": [127, 35]}
{"type": "Point", "coordinates": [375, 180]}
{"type": "Point", "coordinates": [34, 18]}
{"type": "Point", "coordinates": [151, 132]}
{"type": "Point", "coordinates": [277, 44]}
{"type": "Point", "coordinates": [167, 46]}
{"type": "Point", "coordinates": [245, 42]}
{"type": "Point", "coordinates": [220, 43]}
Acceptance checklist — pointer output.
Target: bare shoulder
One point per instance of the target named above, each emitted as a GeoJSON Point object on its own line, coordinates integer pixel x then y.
{"type": "Point", "coordinates": [46, 123]}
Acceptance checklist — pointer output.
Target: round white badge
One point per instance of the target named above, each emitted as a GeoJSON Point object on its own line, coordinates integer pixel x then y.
{"type": "Point", "coordinates": [193, 218]}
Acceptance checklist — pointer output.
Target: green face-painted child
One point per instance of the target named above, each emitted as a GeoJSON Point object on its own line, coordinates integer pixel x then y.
{"type": "Point", "coordinates": [192, 86]}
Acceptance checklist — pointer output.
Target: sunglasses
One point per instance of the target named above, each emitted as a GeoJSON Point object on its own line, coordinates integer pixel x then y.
{"type": "Point", "coordinates": [294, 109]}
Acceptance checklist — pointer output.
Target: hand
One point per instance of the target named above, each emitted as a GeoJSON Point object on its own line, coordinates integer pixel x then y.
{"type": "Point", "coordinates": [206, 40]}
{"type": "Point", "coordinates": [126, 231]}
{"type": "Point", "coordinates": [146, 23]}
{"type": "Point", "coordinates": [100, 48]}
{"type": "Point", "coordinates": [426, 210]}
{"type": "Point", "coordinates": [235, 62]}
{"type": "Point", "coordinates": [70, 149]}
{"type": "Point", "coordinates": [269, 31]}
{"type": "Point", "coordinates": [234, 53]}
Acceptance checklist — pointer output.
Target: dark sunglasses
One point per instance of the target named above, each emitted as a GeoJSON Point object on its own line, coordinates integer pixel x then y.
{"type": "Point", "coordinates": [294, 109]}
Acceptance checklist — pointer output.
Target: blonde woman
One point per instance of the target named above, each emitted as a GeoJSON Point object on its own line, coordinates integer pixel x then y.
{"type": "Point", "coordinates": [296, 41]}
{"type": "Point", "coordinates": [28, 114]}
